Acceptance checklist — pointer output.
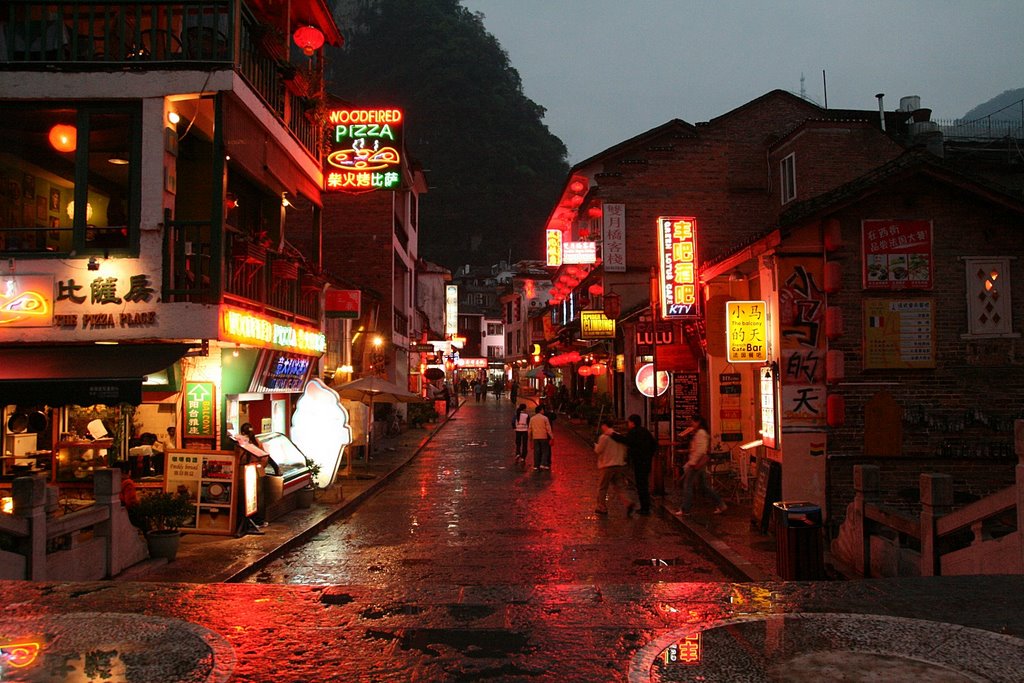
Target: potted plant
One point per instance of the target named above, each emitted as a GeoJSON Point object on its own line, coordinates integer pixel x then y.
{"type": "Point", "coordinates": [305, 496]}
{"type": "Point", "coordinates": [162, 514]}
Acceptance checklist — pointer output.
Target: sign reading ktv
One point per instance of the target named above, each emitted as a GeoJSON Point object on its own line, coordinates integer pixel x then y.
{"type": "Point", "coordinates": [364, 150]}
{"type": "Point", "coordinates": [677, 243]}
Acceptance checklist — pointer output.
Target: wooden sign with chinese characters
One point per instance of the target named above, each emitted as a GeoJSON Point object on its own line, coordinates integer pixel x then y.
{"type": "Point", "coordinates": [613, 246]}
{"type": "Point", "coordinates": [364, 150]}
{"type": "Point", "coordinates": [747, 331]}
{"type": "Point", "coordinates": [553, 247]}
{"type": "Point", "coordinates": [677, 245]}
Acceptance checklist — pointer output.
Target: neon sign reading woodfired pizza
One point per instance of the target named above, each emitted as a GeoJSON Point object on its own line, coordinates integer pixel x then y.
{"type": "Point", "coordinates": [364, 150]}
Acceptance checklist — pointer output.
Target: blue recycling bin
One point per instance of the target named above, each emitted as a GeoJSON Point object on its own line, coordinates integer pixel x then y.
{"type": "Point", "coordinates": [798, 536]}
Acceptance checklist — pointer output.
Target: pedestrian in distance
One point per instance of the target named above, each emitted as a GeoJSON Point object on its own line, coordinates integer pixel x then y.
{"type": "Point", "coordinates": [521, 425]}
{"type": "Point", "coordinates": [478, 390]}
{"type": "Point", "coordinates": [640, 447]}
{"type": "Point", "coordinates": [615, 472]}
{"type": "Point", "coordinates": [513, 392]}
{"type": "Point", "coordinates": [541, 436]}
{"type": "Point", "coordinates": [695, 475]}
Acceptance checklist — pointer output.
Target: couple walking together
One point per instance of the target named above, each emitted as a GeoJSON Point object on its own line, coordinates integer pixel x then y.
{"type": "Point", "coordinates": [536, 429]}
{"type": "Point", "coordinates": [624, 461]}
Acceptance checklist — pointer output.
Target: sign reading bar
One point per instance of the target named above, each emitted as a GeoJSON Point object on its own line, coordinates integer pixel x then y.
{"type": "Point", "coordinates": [677, 244]}
{"type": "Point", "coordinates": [747, 331]}
{"type": "Point", "coordinates": [364, 149]}
{"type": "Point", "coordinates": [594, 325]}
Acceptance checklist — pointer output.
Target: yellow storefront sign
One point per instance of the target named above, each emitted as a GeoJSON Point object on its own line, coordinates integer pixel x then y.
{"type": "Point", "coordinates": [594, 325]}
{"type": "Point", "coordinates": [746, 326]}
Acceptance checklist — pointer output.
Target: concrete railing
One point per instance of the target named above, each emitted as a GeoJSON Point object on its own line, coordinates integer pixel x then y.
{"type": "Point", "coordinates": [96, 542]}
{"type": "Point", "coordinates": [984, 537]}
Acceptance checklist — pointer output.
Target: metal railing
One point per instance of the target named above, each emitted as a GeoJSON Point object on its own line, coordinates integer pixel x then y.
{"type": "Point", "coordinates": [981, 129]}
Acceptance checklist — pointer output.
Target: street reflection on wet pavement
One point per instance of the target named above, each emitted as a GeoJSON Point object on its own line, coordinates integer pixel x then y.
{"type": "Point", "coordinates": [463, 513]}
{"type": "Point", "coordinates": [464, 568]}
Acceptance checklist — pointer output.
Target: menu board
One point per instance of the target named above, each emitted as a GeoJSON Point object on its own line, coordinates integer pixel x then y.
{"type": "Point", "coordinates": [899, 333]}
{"type": "Point", "coordinates": [208, 478]}
{"type": "Point", "coordinates": [685, 397]}
{"type": "Point", "coordinates": [767, 490]}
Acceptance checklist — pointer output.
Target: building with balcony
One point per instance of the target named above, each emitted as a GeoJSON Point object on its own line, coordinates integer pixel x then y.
{"type": "Point", "coordinates": [153, 160]}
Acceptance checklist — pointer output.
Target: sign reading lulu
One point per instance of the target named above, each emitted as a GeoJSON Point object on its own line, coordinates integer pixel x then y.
{"type": "Point", "coordinates": [747, 331]}
{"type": "Point", "coordinates": [677, 244]}
{"type": "Point", "coordinates": [246, 327]}
{"type": "Point", "coordinates": [364, 149]}
{"type": "Point", "coordinates": [594, 325]}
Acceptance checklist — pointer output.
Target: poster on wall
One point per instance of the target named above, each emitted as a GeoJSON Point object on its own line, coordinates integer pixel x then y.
{"type": "Point", "coordinates": [207, 479]}
{"type": "Point", "coordinates": [897, 254]}
{"type": "Point", "coordinates": [899, 333]}
{"type": "Point", "coordinates": [685, 397]}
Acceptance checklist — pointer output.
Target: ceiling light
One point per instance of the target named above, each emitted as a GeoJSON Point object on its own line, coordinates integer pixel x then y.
{"type": "Point", "coordinates": [117, 161]}
{"type": "Point", "coordinates": [173, 117]}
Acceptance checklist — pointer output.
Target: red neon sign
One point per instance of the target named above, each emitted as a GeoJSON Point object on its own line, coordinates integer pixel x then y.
{"type": "Point", "coordinates": [677, 241]}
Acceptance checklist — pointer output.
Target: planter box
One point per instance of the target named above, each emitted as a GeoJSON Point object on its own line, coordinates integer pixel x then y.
{"type": "Point", "coordinates": [249, 252]}
{"type": "Point", "coordinates": [285, 270]}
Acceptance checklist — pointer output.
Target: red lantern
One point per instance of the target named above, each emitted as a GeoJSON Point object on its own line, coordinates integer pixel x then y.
{"type": "Point", "coordinates": [584, 371]}
{"type": "Point", "coordinates": [835, 409]}
{"type": "Point", "coordinates": [63, 137]}
{"type": "Point", "coordinates": [577, 186]}
{"type": "Point", "coordinates": [309, 38]}
{"type": "Point", "coordinates": [595, 212]}
{"type": "Point", "coordinates": [597, 369]}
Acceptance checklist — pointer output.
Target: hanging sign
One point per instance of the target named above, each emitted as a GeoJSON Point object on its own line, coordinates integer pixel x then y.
{"type": "Point", "coordinates": [594, 325]}
{"type": "Point", "coordinates": [677, 244]}
{"type": "Point", "coordinates": [613, 246]}
{"type": "Point", "coordinates": [579, 252]}
{"type": "Point", "coordinates": [747, 331]}
{"type": "Point", "coordinates": [363, 153]}
{"type": "Point", "coordinates": [199, 410]}
{"type": "Point", "coordinates": [769, 412]}
{"type": "Point", "coordinates": [249, 327]}
{"type": "Point", "coordinates": [645, 380]}
{"type": "Point", "coordinates": [553, 247]}
{"type": "Point", "coordinates": [343, 303]}
{"type": "Point", "coordinates": [451, 309]}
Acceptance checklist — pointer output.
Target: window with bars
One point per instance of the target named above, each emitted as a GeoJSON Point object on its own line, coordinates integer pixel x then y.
{"type": "Point", "coordinates": [787, 175]}
{"type": "Point", "coordinates": [988, 296]}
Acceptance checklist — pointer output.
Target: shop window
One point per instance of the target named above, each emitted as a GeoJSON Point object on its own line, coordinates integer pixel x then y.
{"type": "Point", "coordinates": [787, 175]}
{"type": "Point", "coordinates": [69, 179]}
{"type": "Point", "coordinates": [988, 297]}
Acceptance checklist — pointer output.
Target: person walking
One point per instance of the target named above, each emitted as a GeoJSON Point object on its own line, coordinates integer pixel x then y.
{"type": "Point", "coordinates": [513, 391]}
{"type": "Point", "coordinates": [541, 435]}
{"type": "Point", "coordinates": [641, 447]}
{"type": "Point", "coordinates": [521, 425]}
{"type": "Point", "coordinates": [695, 473]}
{"type": "Point", "coordinates": [478, 389]}
{"type": "Point", "coordinates": [611, 463]}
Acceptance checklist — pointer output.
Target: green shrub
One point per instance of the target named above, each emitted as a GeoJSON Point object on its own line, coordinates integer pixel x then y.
{"type": "Point", "coordinates": [164, 511]}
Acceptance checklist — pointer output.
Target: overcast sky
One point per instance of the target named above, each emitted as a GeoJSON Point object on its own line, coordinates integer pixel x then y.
{"type": "Point", "coordinates": [607, 70]}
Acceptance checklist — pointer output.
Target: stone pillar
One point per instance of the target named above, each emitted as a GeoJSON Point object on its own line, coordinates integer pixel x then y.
{"type": "Point", "coordinates": [106, 486]}
{"type": "Point", "coordinates": [936, 501]}
{"type": "Point", "coordinates": [29, 495]}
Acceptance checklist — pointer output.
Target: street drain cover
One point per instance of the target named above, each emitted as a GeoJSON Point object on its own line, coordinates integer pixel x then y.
{"type": "Point", "coordinates": [113, 647]}
{"type": "Point", "coordinates": [806, 647]}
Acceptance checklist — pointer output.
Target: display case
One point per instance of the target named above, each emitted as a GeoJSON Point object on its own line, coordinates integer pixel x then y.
{"type": "Point", "coordinates": [289, 461]}
{"type": "Point", "coordinates": [75, 461]}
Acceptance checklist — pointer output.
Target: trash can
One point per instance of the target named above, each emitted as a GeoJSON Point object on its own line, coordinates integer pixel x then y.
{"type": "Point", "coordinates": [799, 549]}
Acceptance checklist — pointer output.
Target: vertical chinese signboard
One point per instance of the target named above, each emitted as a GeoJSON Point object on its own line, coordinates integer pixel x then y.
{"type": "Point", "coordinates": [364, 150]}
{"type": "Point", "coordinates": [199, 406]}
{"type": "Point", "coordinates": [677, 244]}
{"type": "Point", "coordinates": [613, 244]}
{"type": "Point", "coordinates": [747, 331]}
{"type": "Point", "coordinates": [802, 340]}
{"type": "Point", "coordinates": [769, 411]}
{"type": "Point", "coordinates": [553, 247]}
{"type": "Point", "coordinates": [897, 254]}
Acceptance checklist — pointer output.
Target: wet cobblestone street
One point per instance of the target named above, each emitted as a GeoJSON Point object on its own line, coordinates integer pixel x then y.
{"type": "Point", "coordinates": [460, 567]}
{"type": "Point", "coordinates": [463, 513]}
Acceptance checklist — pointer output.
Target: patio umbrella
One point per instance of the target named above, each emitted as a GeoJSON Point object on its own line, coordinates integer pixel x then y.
{"type": "Point", "coordinates": [434, 373]}
{"type": "Point", "coordinates": [370, 390]}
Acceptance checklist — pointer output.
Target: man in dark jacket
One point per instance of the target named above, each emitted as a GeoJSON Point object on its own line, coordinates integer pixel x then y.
{"type": "Point", "coordinates": [640, 447]}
